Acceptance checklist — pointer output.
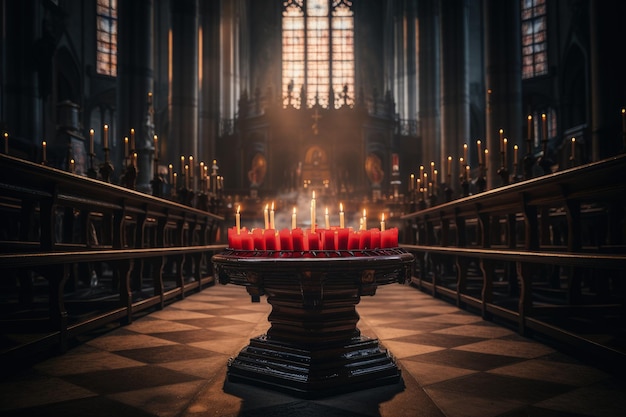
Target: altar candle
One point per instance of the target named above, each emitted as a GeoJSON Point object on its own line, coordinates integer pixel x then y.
{"type": "Point", "coordinates": [6, 143]}
{"type": "Point", "coordinates": [272, 224]}
{"type": "Point", "coordinates": [297, 237]}
{"type": "Point", "coordinates": [501, 139]}
{"type": "Point", "coordinates": [286, 242]}
{"type": "Point", "coordinates": [329, 239]}
{"type": "Point", "coordinates": [364, 220]}
{"type": "Point", "coordinates": [293, 218]}
{"type": "Point", "coordinates": [191, 167]}
{"type": "Point", "coordinates": [365, 239]}
{"type": "Point", "coordinates": [105, 139]}
{"type": "Point", "coordinates": [504, 159]}
{"type": "Point", "coordinates": [480, 151]}
{"type": "Point", "coordinates": [270, 240]}
{"type": "Point", "coordinates": [156, 147]}
{"type": "Point", "coordinates": [573, 148]}
{"type": "Point", "coordinates": [353, 240]}
{"type": "Point", "coordinates": [449, 166]}
{"type": "Point", "coordinates": [266, 216]}
{"type": "Point", "coordinates": [341, 216]}
{"type": "Point", "coordinates": [125, 146]}
{"type": "Point", "coordinates": [515, 154]}
{"type": "Point", "coordinates": [182, 163]}
{"type": "Point", "coordinates": [624, 121]}
{"type": "Point", "coordinates": [135, 159]}
{"type": "Point", "coordinates": [91, 141]}
{"type": "Point", "coordinates": [486, 157]}
{"type": "Point", "coordinates": [467, 172]}
{"type": "Point", "coordinates": [375, 238]}
{"type": "Point", "coordinates": [186, 176]}
{"type": "Point", "coordinates": [411, 182]}
{"type": "Point", "coordinates": [247, 242]}
{"type": "Point", "coordinates": [72, 165]}
{"type": "Point", "coordinates": [529, 127]}
{"type": "Point", "coordinates": [238, 220]}
{"type": "Point", "coordinates": [258, 239]}
{"type": "Point", "coordinates": [327, 219]}
{"type": "Point", "coordinates": [342, 238]}
{"type": "Point", "coordinates": [313, 240]}
{"type": "Point", "coordinates": [465, 151]}
{"type": "Point", "coordinates": [432, 168]}
{"type": "Point", "coordinates": [421, 171]}
{"type": "Point", "coordinates": [174, 179]}
{"type": "Point", "coordinates": [544, 126]}
{"type": "Point", "coordinates": [313, 212]}
{"type": "Point", "coordinates": [132, 139]}
{"type": "Point", "coordinates": [382, 222]}
{"type": "Point", "coordinates": [435, 172]}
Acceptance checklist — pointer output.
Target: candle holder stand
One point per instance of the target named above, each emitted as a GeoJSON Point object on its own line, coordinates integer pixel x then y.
{"type": "Point", "coordinates": [432, 200]}
{"type": "Point", "coordinates": [503, 173]}
{"type": "Point", "coordinates": [481, 181]}
{"type": "Point", "coordinates": [464, 185]}
{"type": "Point", "coordinates": [106, 168]}
{"type": "Point", "coordinates": [129, 178]}
{"type": "Point", "coordinates": [91, 172]}
{"type": "Point", "coordinates": [157, 185]}
{"type": "Point", "coordinates": [545, 162]}
{"type": "Point", "coordinates": [202, 200]}
{"type": "Point", "coordinates": [313, 347]}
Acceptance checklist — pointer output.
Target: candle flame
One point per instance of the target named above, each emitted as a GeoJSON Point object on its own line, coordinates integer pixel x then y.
{"type": "Point", "coordinates": [326, 210]}
{"type": "Point", "coordinates": [272, 206]}
{"type": "Point", "coordinates": [340, 206]}
{"type": "Point", "coordinates": [238, 208]}
{"type": "Point", "coordinates": [267, 207]}
{"type": "Point", "coordinates": [313, 195]}
{"type": "Point", "coordinates": [294, 210]}
{"type": "Point", "coordinates": [382, 217]}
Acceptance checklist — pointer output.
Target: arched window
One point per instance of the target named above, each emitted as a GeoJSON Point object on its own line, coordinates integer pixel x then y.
{"type": "Point", "coordinates": [318, 53]}
{"type": "Point", "coordinates": [106, 37]}
{"type": "Point", "coordinates": [534, 38]}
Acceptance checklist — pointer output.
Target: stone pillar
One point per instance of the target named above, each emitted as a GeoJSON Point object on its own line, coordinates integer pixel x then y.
{"type": "Point", "coordinates": [429, 78]}
{"type": "Point", "coordinates": [135, 82]}
{"type": "Point", "coordinates": [183, 103]}
{"type": "Point", "coordinates": [503, 81]}
{"type": "Point", "coordinates": [455, 84]}
{"type": "Point", "coordinates": [210, 79]}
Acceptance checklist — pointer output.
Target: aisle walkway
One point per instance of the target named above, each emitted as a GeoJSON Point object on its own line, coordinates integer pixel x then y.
{"type": "Point", "coordinates": [173, 363]}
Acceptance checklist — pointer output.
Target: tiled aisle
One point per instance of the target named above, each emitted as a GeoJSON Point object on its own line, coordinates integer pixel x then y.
{"type": "Point", "coordinates": [173, 363]}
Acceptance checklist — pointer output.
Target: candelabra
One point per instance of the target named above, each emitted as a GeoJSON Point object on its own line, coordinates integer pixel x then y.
{"type": "Point", "coordinates": [129, 178]}
{"type": "Point", "coordinates": [544, 162]}
{"type": "Point", "coordinates": [157, 181]}
{"type": "Point", "coordinates": [91, 172]}
{"type": "Point", "coordinates": [106, 168]}
{"type": "Point", "coordinates": [464, 179]}
{"type": "Point", "coordinates": [448, 189]}
{"type": "Point", "coordinates": [481, 181]}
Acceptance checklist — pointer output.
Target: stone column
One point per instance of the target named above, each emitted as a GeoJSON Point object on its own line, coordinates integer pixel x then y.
{"type": "Point", "coordinates": [503, 81]}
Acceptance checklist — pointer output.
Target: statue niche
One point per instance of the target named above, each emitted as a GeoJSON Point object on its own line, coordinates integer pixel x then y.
{"type": "Point", "coordinates": [316, 169]}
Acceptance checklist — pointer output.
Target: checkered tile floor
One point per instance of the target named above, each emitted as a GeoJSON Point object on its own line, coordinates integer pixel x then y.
{"type": "Point", "coordinates": [173, 363]}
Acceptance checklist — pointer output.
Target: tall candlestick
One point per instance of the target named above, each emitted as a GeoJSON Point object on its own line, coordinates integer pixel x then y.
{"type": "Point", "coordinates": [238, 220]}
{"type": "Point", "coordinates": [170, 170]}
{"type": "Point", "coordinates": [135, 159]}
{"type": "Point", "coordinates": [327, 219]}
{"type": "Point", "coordinates": [504, 146]}
{"type": "Point", "coordinates": [174, 179]}
{"type": "Point", "coordinates": [192, 167]}
{"type": "Point", "coordinates": [293, 219]}
{"type": "Point", "coordinates": [266, 217]}
{"type": "Point", "coordinates": [182, 164]}
{"type": "Point", "coordinates": [44, 145]}
{"type": "Point", "coordinates": [432, 168]}
{"type": "Point", "coordinates": [411, 182]}
{"type": "Point", "coordinates": [501, 137]}
{"type": "Point", "coordinates": [72, 165]}
{"type": "Point", "coordinates": [435, 172]}
{"type": "Point", "coordinates": [515, 154]}
{"type": "Point", "coordinates": [132, 139]}
{"type": "Point", "coordinates": [187, 176]}
{"type": "Point", "coordinates": [480, 152]}
{"type": "Point", "coordinates": [544, 127]}
{"type": "Point", "coordinates": [156, 147]}
{"type": "Point", "coordinates": [105, 137]}
{"type": "Point", "coordinates": [529, 128]}
{"type": "Point", "coordinates": [91, 141]}
{"type": "Point", "coordinates": [624, 121]}
{"type": "Point", "coordinates": [465, 151]}
{"type": "Point", "coordinates": [341, 216]}
{"type": "Point", "coordinates": [272, 224]}
{"type": "Point", "coordinates": [486, 157]}
{"type": "Point", "coordinates": [573, 148]}
{"type": "Point", "coordinates": [382, 222]}
{"type": "Point", "coordinates": [421, 171]}
{"type": "Point", "coordinates": [467, 172]}
{"type": "Point", "coordinates": [125, 146]}
{"type": "Point", "coordinates": [449, 166]}
{"type": "Point", "coordinates": [313, 212]}
{"type": "Point", "coordinates": [6, 143]}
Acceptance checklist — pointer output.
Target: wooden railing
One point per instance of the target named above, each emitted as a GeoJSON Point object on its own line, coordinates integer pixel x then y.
{"type": "Point", "coordinates": [546, 255]}
{"type": "Point", "coordinates": [79, 254]}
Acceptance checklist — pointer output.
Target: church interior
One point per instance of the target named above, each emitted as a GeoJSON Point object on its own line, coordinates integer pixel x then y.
{"type": "Point", "coordinates": [312, 207]}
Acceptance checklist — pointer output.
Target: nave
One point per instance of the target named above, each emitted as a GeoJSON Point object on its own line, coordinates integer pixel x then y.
{"type": "Point", "coordinates": [173, 362]}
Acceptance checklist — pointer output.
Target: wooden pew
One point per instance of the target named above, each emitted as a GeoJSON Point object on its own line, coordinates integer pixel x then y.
{"type": "Point", "coordinates": [78, 254]}
{"type": "Point", "coordinates": [546, 256]}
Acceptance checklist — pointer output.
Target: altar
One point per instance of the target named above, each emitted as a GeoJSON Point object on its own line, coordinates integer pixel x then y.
{"type": "Point", "coordinates": [313, 347]}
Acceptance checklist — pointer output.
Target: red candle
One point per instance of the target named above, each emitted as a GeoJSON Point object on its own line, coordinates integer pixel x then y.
{"type": "Point", "coordinates": [247, 242]}
{"type": "Point", "coordinates": [286, 243]}
{"type": "Point", "coordinates": [375, 238]}
{"type": "Point", "coordinates": [353, 240]}
{"type": "Point", "coordinates": [329, 240]}
{"type": "Point", "coordinates": [342, 238]}
{"type": "Point", "coordinates": [389, 238]}
{"type": "Point", "coordinates": [258, 238]}
{"type": "Point", "coordinates": [271, 243]}
{"type": "Point", "coordinates": [234, 240]}
{"type": "Point", "coordinates": [365, 239]}
{"type": "Point", "coordinates": [297, 236]}
{"type": "Point", "coordinates": [314, 241]}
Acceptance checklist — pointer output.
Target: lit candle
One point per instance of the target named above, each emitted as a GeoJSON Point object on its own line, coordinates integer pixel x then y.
{"type": "Point", "coordinates": [341, 216]}
{"type": "Point", "coordinates": [182, 163]}
{"type": "Point", "coordinates": [544, 127]}
{"type": "Point", "coordinates": [72, 165]}
{"type": "Point", "coordinates": [465, 151]}
{"type": "Point", "coordinates": [421, 171]}
{"type": "Point", "coordinates": [6, 143]}
{"type": "Point", "coordinates": [238, 220]}
{"type": "Point", "coordinates": [624, 121]}
{"type": "Point", "coordinates": [364, 220]}
{"type": "Point", "coordinates": [432, 168]}
{"type": "Point", "coordinates": [170, 170]}
{"type": "Point", "coordinates": [435, 172]}
{"type": "Point", "coordinates": [174, 179]}
{"type": "Point", "coordinates": [382, 222]}
{"type": "Point", "coordinates": [504, 146]}
{"type": "Point", "coordinates": [486, 157]}
{"type": "Point", "coordinates": [411, 182]}
{"type": "Point", "coordinates": [313, 212]}
{"type": "Point", "coordinates": [272, 224]}
{"type": "Point", "coordinates": [530, 128]}
{"type": "Point", "coordinates": [186, 176]}
{"type": "Point", "coordinates": [125, 146]}
{"type": "Point", "coordinates": [327, 219]}
{"type": "Point", "coordinates": [105, 140]}
{"type": "Point", "coordinates": [501, 137]}
{"type": "Point", "coordinates": [467, 172]}
{"type": "Point", "coordinates": [293, 219]}
{"type": "Point", "coordinates": [156, 147]}
{"type": "Point", "coordinates": [132, 139]}
{"type": "Point", "coordinates": [573, 148]}
{"type": "Point", "coordinates": [449, 166]}
{"type": "Point", "coordinates": [515, 154]}
{"type": "Point", "coordinates": [480, 151]}
{"type": "Point", "coordinates": [91, 141]}
{"type": "Point", "coordinates": [191, 167]}
{"type": "Point", "coordinates": [266, 217]}
{"type": "Point", "coordinates": [44, 145]}
{"type": "Point", "coordinates": [135, 159]}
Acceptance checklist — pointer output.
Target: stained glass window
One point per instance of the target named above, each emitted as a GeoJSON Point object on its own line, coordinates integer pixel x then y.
{"type": "Point", "coordinates": [534, 38]}
{"type": "Point", "coordinates": [318, 53]}
{"type": "Point", "coordinates": [106, 37]}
